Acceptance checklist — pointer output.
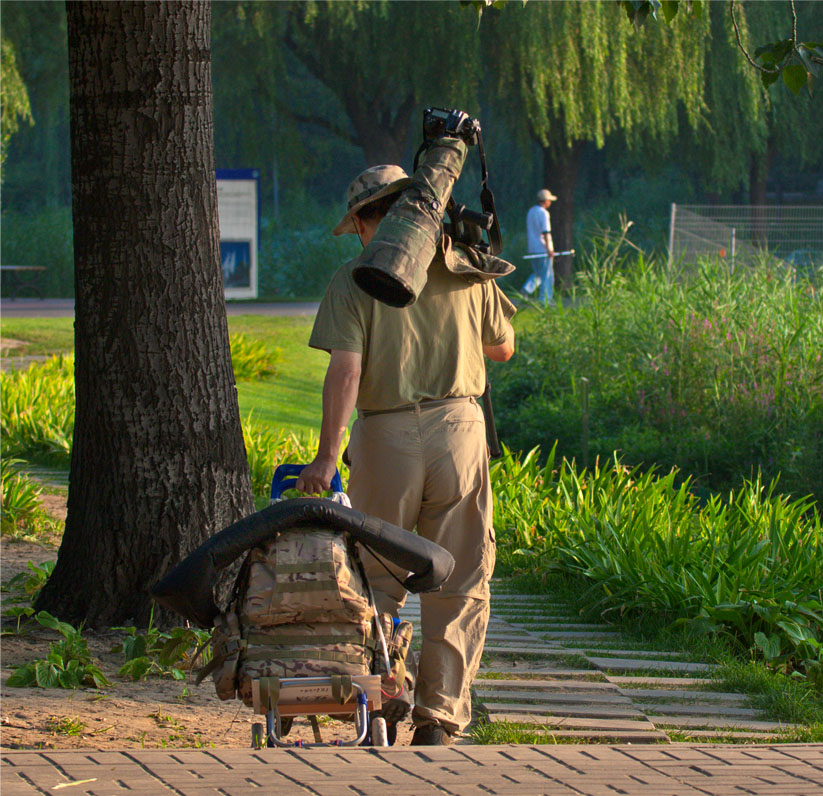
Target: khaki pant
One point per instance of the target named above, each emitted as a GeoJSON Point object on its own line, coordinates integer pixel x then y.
{"type": "Point", "coordinates": [428, 468]}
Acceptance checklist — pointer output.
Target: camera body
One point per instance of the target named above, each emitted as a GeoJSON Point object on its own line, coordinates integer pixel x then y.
{"type": "Point", "coordinates": [438, 122]}
{"type": "Point", "coordinates": [466, 226]}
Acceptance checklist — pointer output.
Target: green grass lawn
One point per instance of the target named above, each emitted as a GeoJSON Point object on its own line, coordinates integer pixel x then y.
{"type": "Point", "coordinates": [42, 335]}
{"type": "Point", "coordinates": [290, 399]}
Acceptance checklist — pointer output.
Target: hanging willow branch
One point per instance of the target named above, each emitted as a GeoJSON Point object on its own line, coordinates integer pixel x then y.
{"type": "Point", "coordinates": [756, 65]}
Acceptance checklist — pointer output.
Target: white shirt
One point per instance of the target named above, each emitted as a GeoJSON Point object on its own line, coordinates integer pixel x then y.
{"type": "Point", "coordinates": [538, 223]}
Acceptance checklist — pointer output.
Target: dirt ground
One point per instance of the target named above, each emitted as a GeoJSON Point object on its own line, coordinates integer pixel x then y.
{"type": "Point", "coordinates": [153, 713]}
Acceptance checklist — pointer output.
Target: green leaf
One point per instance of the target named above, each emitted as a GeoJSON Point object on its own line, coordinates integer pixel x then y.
{"type": "Point", "coordinates": [697, 9]}
{"type": "Point", "coordinates": [18, 610]}
{"type": "Point", "coordinates": [136, 669]}
{"type": "Point", "coordinates": [670, 8]}
{"type": "Point", "coordinates": [96, 676]}
{"type": "Point", "coordinates": [22, 677]}
{"type": "Point", "coordinates": [68, 679]}
{"type": "Point", "coordinates": [177, 674]}
{"type": "Point", "coordinates": [56, 659]}
{"type": "Point", "coordinates": [806, 57]}
{"type": "Point", "coordinates": [45, 619]}
{"type": "Point", "coordinates": [794, 76]}
{"type": "Point", "coordinates": [770, 647]}
{"type": "Point", "coordinates": [134, 647]}
{"type": "Point", "coordinates": [46, 674]}
{"type": "Point", "coordinates": [173, 650]}
{"type": "Point", "coordinates": [767, 78]}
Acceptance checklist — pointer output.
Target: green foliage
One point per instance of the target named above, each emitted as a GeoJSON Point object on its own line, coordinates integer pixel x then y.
{"type": "Point", "coordinates": [267, 448]}
{"type": "Point", "coordinates": [299, 261]}
{"type": "Point", "coordinates": [574, 72]}
{"type": "Point", "coordinates": [68, 664]}
{"type": "Point", "coordinates": [157, 652]}
{"type": "Point", "coordinates": [14, 98]}
{"type": "Point", "coordinates": [25, 586]}
{"type": "Point", "coordinates": [65, 725]}
{"type": "Point", "coordinates": [22, 590]}
{"type": "Point", "coordinates": [41, 237]}
{"type": "Point", "coordinates": [750, 564]}
{"type": "Point", "coordinates": [251, 359]}
{"type": "Point", "coordinates": [37, 415]}
{"type": "Point", "coordinates": [19, 497]}
{"type": "Point", "coordinates": [717, 373]}
{"type": "Point", "coordinates": [780, 697]}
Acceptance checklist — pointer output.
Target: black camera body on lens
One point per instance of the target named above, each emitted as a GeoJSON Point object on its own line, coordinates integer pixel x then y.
{"type": "Point", "coordinates": [465, 226]}
{"type": "Point", "coordinates": [438, 122]}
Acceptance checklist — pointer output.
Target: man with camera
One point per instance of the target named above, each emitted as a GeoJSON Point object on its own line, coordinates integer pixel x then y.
{"type": "Point", "coordinates": [418, 454]}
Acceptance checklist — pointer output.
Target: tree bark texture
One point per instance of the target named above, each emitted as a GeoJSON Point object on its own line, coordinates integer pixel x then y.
{"type": "Point", "coordinates": [560, 166]}
{"type": "Point", "coordinates": [158, 463]}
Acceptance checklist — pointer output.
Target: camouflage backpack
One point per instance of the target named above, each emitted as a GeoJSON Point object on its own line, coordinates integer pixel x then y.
{"type": "Point", "coordinates": [301, 607]}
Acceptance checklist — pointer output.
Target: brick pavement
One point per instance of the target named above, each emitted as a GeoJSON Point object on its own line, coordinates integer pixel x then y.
{"type": "Point", "coordinates": [576, 770]}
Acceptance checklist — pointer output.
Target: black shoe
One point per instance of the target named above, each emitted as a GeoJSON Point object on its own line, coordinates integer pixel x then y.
{"type": "Point", "coordinates": [431, 735]}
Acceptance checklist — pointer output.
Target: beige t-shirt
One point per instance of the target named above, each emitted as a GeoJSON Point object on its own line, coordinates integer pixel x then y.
{"type": "Point", "coordinates": [430, 350]}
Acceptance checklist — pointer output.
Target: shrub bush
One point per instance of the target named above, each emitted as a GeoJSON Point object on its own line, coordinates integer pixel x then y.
{"type": "Point", "coordinates": [716, 372]}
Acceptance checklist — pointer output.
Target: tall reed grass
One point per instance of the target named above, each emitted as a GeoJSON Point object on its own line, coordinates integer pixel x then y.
{"type": "Point", "coordinates": [718, 372]}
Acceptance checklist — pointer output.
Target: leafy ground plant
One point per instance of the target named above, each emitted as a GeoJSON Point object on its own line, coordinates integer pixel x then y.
{"type": "Point", "coordinates": [68, 664]}
{"type": "Point", "coordinates": [251, 359]}
{"type": "Point", "coordinates": [37, 415]}
{"type": "Point", "coordinates": [22, 515]}
{"type": "Point", "coordinates": [159, 653]}
{"type": "Point", "coordinates": [748, 566]}
{"type": "Point", "coordinates": [65, 725]}
{"type": "Point", "coordinates": [21, 591]}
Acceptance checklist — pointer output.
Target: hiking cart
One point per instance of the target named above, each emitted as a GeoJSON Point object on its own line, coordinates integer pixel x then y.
{"type": "Point", "coordinates": [335, 654]}
{"type": "Point", "coordinates": [282, 699]}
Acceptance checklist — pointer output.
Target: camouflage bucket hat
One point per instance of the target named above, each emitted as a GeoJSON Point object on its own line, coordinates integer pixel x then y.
{"type": "Point", "coordinates": [368, 186]}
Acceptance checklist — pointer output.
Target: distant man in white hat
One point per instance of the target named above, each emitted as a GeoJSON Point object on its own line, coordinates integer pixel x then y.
{"type": "Point", "coordinates": [539, 241]}
{"type": "Point", "coordinates": [417, 449]}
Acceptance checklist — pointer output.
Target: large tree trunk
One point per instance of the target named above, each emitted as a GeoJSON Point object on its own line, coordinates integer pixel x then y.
{"type": "Point", "coordinates": [560, 165]}
{"type": "Point", "coordinates": [158, 463]}
{"type": "Point", "coordinates": [758, 175]}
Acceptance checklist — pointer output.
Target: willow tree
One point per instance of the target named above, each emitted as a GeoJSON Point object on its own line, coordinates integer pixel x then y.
{"type": "Point", "coordinates": [575, 72]}
{"type": "Point", "coordinates": [383, 61]}
{"type": "Point", "coordinates": [14, 98]}
{"type": "Point", "coordinates": [747, 124]}
{"type": "Point", "coordinates": [37, 173]}
{"type": "Point", "coordinates": [158, 463]}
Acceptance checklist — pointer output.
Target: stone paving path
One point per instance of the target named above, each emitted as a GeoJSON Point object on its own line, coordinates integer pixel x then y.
{"type": "Point", "coordinates": [565, 770]}
{"type": "Point", "coordinates": [547, 670]}
{"type": "Point", "coordinates": [586, 704]}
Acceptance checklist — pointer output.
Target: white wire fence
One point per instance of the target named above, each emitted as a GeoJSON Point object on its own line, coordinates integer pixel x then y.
{"type": "Point", "coordinates": [742, 234]}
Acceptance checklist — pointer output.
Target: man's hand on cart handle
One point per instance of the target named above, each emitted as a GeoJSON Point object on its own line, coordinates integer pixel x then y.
{"type": "Point", "coordinates": [316, 476]}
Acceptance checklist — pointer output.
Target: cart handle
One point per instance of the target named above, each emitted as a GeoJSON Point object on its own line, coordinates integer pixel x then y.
{"type": "Point", "coordinates": [285, 477]}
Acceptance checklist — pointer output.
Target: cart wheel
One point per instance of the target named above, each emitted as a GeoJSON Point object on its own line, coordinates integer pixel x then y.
{"type": "Point", "coordinates": [257, 736]}
{"type": "Point", "coordinates": [379, 732]}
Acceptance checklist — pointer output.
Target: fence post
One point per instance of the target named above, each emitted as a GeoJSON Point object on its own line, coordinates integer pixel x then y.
{"type": "Point", "coordinates": [733, 245]}
{"type": "Point", "coordinates": [671, 233]}
{"type": "Point", "coordinates": [584, 430]}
